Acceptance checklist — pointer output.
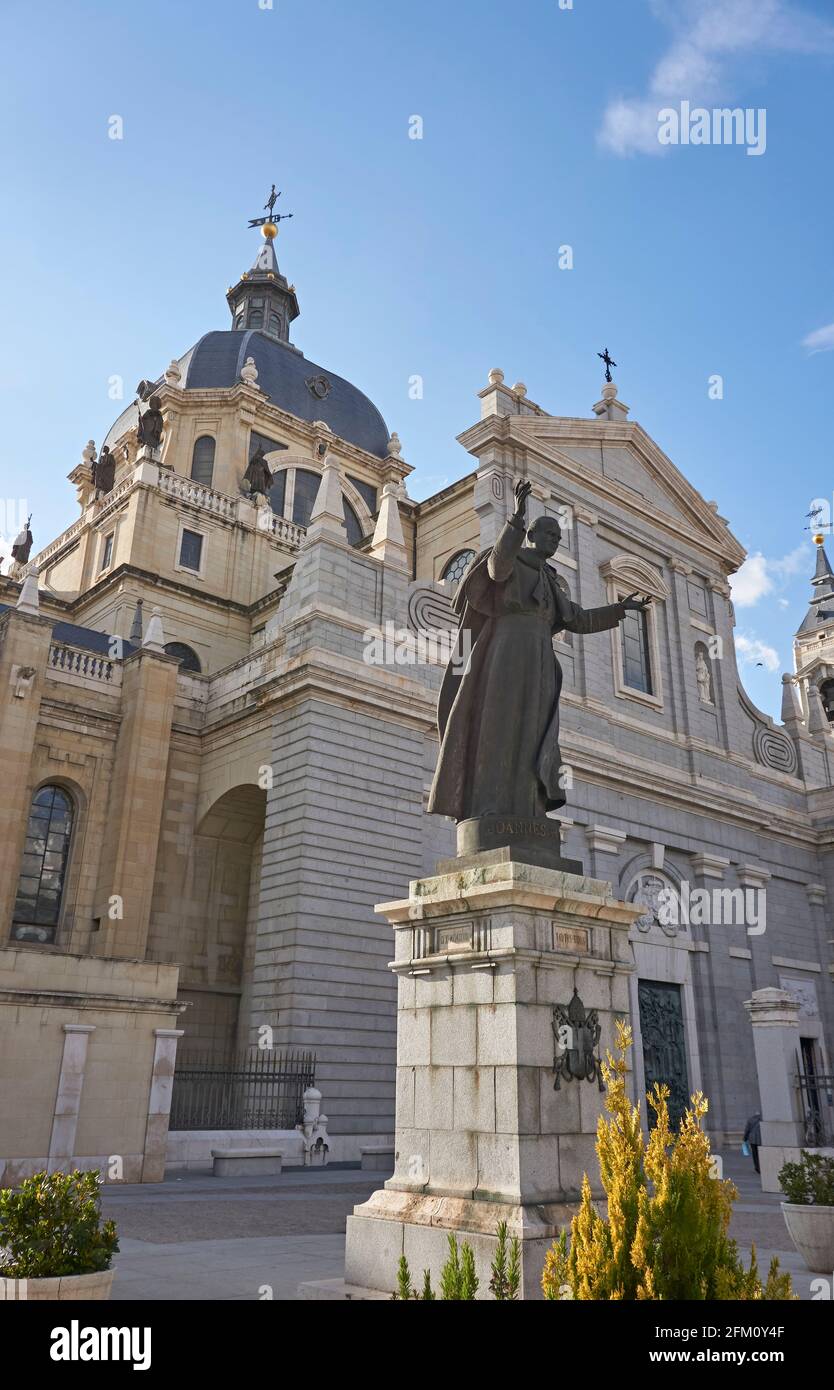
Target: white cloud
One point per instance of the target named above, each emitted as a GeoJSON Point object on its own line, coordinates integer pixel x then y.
{"type": "Point", "coordinates": [752, 651]}
{"type": "Point", "coordinates": [821, 340]}
{"type": "Point", "coordinates": [759, 576]}
{"type": "Point", "coordinates": [795, 562]}
{"type": "Point", "coordinates": [630, 127]}
{"type": "Point", "coordinates": [751, 582]}
{"type": "Point", "coordinates": [708, 33]}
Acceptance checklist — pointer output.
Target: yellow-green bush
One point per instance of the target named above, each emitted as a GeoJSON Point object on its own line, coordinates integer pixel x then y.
{"type": "Point", "coordinates": [665, 1235]}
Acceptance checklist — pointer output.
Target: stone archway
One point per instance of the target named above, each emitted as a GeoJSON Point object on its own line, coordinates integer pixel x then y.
{"type": "Point", "coordinates": [219, 922]}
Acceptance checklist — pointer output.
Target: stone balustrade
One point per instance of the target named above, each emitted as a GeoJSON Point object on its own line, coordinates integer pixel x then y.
{"type": "Point", "coordinates": [198, 495]}
{"type": "Point", "coordinates": [38, 561]}
{"type": "Point", "coordinates": [173, 485]}
{"type": "Point", "coordinates": [74, 663]}
{"type": "Point", "coordinates": [287, 533]}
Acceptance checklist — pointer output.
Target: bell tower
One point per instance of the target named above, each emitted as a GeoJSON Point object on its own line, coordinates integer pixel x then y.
{"type": "Point", "coordinates": [814, 646]}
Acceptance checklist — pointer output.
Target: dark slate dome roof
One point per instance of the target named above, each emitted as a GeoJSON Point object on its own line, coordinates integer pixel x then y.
{"type": "Point", "coordinates": [283, 375]}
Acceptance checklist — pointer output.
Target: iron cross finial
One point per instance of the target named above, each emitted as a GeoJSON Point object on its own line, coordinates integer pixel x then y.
{"type": "Point", "coordinates": [609, 363]}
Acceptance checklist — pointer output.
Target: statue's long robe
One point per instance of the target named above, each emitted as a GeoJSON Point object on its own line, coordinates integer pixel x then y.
{"type": "Point", "coordinates": [498, 716]}
{"type": "Point", "coordinates": [258, 475]}
{"type": "Point", "coordinates": [104, 472]}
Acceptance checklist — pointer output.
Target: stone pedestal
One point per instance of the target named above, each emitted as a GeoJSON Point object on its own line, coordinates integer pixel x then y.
{"type": "Point", "coordinates": [483, 956]}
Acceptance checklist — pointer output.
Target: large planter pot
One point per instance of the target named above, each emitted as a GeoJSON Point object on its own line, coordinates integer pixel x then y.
{"type": "Point", "coordinates": [76, 1287]}
{"type": "Point", "coordinates": [812, 1231]}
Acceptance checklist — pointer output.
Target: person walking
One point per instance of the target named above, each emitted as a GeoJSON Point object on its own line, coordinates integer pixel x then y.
{"type": "Point", "coordinates": [753, 1138]}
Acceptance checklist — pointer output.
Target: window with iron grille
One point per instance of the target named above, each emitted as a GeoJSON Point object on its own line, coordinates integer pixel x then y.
{"type": "Point", "coordinates": [457, 566]}
{"type": "Point", "coordinates": [634, 637]}
{"type": "Point", "coordinates": [191, 551]}
{"type": "Point", "coordinates": [202, 460]}
{"type": "Point", "coordinates": [43, 869]}
{"type": "Point", "coordinates": [186, 656]}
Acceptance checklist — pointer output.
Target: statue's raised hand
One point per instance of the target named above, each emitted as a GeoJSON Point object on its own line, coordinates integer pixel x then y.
{"type": "Point", "coordinates": [522, 492]}
{"type": "Point", "coordinates": [638, 604]}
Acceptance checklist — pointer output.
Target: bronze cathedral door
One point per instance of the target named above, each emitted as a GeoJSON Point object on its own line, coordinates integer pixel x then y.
{"type": "Point", "coordinates": [664, 1046]}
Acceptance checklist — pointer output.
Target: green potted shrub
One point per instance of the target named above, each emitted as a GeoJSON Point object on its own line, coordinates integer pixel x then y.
{"type": "Point", "coordinates": [53, 1242]}
{"type": "Point", "coordinates": [809, 1210]}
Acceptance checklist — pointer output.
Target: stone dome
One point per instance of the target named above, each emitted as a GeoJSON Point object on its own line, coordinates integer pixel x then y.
{"type": "Point", "coordinates": [286, 377]}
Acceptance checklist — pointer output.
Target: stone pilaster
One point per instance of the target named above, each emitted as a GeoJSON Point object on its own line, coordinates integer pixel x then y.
{"type": "Point", "coordinates": [159, 1102]}
{"type": "Point", "coordinates": [137, 793]}
{"type": "Point", "coordinates": [684, 688]}
{"type": "Point", "coordinates": [24, 658]}
{"type": "Point", "coordinates": [68, 1096]}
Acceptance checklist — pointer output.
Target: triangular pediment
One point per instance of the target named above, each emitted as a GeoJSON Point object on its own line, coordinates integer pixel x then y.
{"type": "Point", "coordinates": [622, 463]}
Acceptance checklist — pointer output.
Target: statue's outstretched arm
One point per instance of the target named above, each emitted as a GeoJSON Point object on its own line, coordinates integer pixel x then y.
{"type": "Point", "coordinates": [585, 620]}
{"type": "Point", "coordinates": [503, 554]}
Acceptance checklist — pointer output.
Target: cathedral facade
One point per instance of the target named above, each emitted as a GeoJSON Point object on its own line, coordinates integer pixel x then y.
{"type": "Point", "coordinates": [218, 691]}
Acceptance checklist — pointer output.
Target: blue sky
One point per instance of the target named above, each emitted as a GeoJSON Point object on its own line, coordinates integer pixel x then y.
{"type": "Point", "coordinates": [439, 256]}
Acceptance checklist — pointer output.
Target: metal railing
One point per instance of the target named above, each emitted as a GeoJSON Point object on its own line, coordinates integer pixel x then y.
{"type": "Point", "coordinates": [255, 1089]}
{"type": "Point", "coordinates": [816, 1096]}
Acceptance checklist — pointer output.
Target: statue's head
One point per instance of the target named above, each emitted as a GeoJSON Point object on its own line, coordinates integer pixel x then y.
{"type": "Point", "coordinates": [544, 535]}
{"type": "Point", "coordinates": [153, 402]}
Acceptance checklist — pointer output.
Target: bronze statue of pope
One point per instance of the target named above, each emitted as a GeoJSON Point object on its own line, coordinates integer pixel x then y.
{"type": "Point", "coordinates": [498, 714]}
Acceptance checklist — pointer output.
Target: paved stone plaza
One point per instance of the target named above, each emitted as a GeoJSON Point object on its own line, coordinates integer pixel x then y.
{"type": "Point", "coordinates": [203, 1238]}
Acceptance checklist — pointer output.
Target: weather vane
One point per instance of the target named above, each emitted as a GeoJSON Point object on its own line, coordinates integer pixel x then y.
{"type": "Point", "coordinates": [609, 363]}
{"type": "Point", "coordinates": [273, 217]}
{"type": "Point", "coordinates": [816, 525]}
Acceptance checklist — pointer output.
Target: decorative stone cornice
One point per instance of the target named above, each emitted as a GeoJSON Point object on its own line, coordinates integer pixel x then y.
{"type": "Point", "coordinates": [605, 838]}
{"type": "Point", "coordinates": [773, 1008]}
{"type": "Point", "coordinates": [751, 876]}
{"type": "Point", "coordinates": [709, 865]}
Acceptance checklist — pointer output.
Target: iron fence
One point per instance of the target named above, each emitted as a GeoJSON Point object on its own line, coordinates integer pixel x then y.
{"type": "Point", "coordinates": [255, 1089]}
{"type": "Point", "coordinates": [816, 1094]}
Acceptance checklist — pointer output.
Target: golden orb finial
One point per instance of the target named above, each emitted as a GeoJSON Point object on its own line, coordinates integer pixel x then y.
{"type": "Point", "coordinates": [819, 539]}
{"type": "Point", "coordinates": [269, 230]}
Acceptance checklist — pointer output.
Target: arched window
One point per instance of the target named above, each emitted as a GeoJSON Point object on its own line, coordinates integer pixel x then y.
{"type": "Point", "coordinates": [636, 655]}
{"type": "Point", "coordinates": [827, 697]}
{"type": "Point", "coordinates": [202, 460]}
{"type": "Point", "coordinates": [275, 324]}
{"type": "Point", "coordinates": [354, 530]}
{"type": "Point", "coordinates": [278, 491]}
{"type": "Point", "coordinates": [306, 490]}
{"type": "Point", "coordinates": [187, 657]}
{"type": "Point", "coordinates": [456, 567]}
{"type": "Point", "coordinates": [40, 888]}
